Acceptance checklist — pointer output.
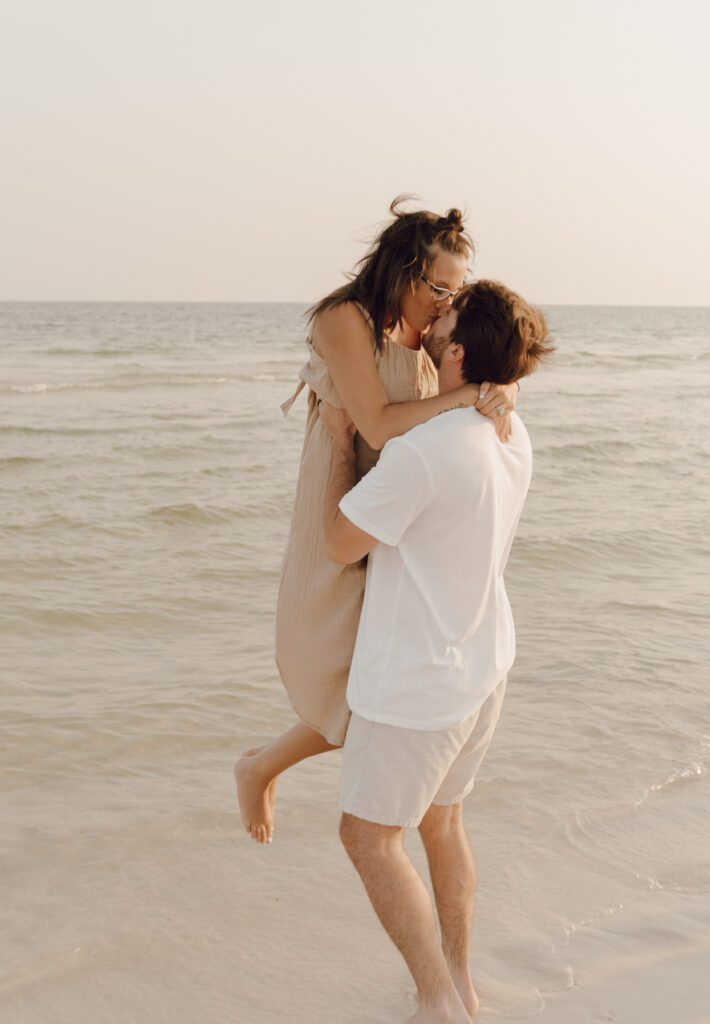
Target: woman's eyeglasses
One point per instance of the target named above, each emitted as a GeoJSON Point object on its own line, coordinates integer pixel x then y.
{"type": "Point", "coordinates": [440, 294]}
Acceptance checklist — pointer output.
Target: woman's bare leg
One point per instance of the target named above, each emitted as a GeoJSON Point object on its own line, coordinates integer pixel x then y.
{"type": "Point", "coordinates": [270, 792]}
{"type": "Point", "coordinates": [257, 770]}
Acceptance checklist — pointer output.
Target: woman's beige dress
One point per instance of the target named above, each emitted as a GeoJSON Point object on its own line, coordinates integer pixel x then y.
{"type": "Point", "coordinates": [319, 602]}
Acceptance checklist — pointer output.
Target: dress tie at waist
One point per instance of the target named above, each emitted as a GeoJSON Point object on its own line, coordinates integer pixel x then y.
{"type": "Point", "coordinates": [286, 406]}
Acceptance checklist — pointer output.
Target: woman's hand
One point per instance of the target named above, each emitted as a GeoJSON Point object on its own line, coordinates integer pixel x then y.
{"type": "Point", "coordinates": [497, 401]}
{"type": "Point", "coordinates": [500, 398]}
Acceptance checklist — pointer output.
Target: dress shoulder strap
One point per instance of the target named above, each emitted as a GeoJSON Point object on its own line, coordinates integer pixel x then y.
{"type": "Point", "coordinates": [368, 321]}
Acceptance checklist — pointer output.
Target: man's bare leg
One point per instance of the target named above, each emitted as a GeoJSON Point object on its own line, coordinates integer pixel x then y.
{"type": "Point", "coordinates": [257, 769]}
{"type": "Point", "coordinates": [402, 904]}
{"type": "Point", "coordinates": [452, 866]}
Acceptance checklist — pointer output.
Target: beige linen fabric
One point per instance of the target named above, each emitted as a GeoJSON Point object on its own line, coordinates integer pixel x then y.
{"type": "Point", "coordinates": [391, 775]}
{"type": "Point", "coordinates": [319, 602]}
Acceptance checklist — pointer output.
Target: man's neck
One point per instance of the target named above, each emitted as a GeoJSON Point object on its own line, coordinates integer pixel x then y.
{"type": "Point", "coordinates": [450, 378]}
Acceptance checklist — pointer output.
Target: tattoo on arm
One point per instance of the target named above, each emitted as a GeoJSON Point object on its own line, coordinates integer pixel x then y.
{"type": "Point", "coordinates": [461, 405]}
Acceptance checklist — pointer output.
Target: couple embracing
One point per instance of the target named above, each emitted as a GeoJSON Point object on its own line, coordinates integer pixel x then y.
{"type": "Point", "coordinates": [415, 460]}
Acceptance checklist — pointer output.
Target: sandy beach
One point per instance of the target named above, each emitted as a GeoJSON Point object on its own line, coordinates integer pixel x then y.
{"type": "Point", "coordinates": [646, 962]}
{"type": "Point", "coordinates": [185, 918]}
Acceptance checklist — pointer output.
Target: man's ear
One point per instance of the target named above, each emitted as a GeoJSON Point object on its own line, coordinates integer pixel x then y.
{"type": "Point", "coordinates": [454, 353]}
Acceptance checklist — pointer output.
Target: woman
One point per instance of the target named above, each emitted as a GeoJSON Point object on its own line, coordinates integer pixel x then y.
{"type": "Point", "coordinates": [366, 357]}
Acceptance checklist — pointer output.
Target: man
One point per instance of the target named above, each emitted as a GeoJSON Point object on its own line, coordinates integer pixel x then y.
{"type": "Point", "coordinates": [437, 516]}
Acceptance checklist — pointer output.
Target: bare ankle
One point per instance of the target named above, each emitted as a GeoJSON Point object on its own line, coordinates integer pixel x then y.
{"type": "Point", "coordinates": [251, 765]}
{"type": "Point", "coordinates": [461, 976]}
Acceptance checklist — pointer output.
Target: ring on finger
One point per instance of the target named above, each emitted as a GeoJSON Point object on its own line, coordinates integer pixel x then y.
{"type": "Point", "coordinates": [500, 409]}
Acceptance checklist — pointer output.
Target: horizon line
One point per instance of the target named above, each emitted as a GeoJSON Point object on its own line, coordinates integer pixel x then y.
{"type": "Point", "coordinates": [304, 302]}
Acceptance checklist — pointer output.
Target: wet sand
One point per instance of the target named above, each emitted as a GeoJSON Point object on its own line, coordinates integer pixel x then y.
{"type": "Point", "coordinates": [647, 964]}
{"type": "Point", "coordinates": [198, 922]}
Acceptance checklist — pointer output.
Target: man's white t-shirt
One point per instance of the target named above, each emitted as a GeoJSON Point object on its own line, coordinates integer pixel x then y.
{"type": "Point", "coordinates": [436, 631]}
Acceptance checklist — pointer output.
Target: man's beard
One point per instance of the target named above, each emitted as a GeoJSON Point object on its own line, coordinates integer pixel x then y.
{"type": "Point", "coordinates": [434, 347]}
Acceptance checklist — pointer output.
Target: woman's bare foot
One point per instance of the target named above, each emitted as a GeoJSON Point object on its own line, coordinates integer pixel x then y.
{"type": "Point", "coordinates": [256, 797]}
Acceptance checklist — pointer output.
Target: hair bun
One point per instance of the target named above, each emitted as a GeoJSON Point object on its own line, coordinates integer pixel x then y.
{"type": "Point", "coordinates": [453, 219]}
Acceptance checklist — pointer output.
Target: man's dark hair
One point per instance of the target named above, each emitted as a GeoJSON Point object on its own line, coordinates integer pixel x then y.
{"type": "Point", "coordinates": [502, 335]}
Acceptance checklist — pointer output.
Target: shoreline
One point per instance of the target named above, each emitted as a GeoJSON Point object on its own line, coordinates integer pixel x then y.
{"type": "Point", "coordinates": [646, 962]}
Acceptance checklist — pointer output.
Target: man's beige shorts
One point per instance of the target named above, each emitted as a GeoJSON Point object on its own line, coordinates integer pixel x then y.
{"type": "Point", "coordinates": [392, 775]}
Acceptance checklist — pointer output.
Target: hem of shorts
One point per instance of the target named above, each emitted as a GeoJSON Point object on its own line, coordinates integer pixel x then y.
{"type": "Point", "coordinates": [457, 800]}
{"type": "Point", "coordinates": [392, 821]}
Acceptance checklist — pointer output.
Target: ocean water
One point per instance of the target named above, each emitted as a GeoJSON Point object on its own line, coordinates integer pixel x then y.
{"type": "Point", "coordinates": [147, 477]}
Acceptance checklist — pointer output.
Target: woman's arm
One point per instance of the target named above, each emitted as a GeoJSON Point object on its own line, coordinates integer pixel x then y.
{"type": "Point", "coordinates": [344, 339]}
{"type": "Point", "coordinates": [345, 542]}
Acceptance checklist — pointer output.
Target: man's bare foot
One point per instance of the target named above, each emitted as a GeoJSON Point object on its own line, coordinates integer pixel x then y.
{"type": "Point", "coordinates": [447, 1012]}
{"type": "Point", "coordinates": [464, 986]}
{"type": "Point", "coordinates": [256, 798]}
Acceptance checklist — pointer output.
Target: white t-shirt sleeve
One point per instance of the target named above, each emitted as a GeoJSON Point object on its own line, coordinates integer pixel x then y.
{"type": "Point", "coordinates": [391, 496]}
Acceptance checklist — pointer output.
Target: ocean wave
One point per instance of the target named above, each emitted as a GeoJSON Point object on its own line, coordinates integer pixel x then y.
{"type": "Point", "coordinates": [688, 773]}
{"type": "Point", "coordinates": [127, 383]}
{"type": "Point", "coordinates": [12, 429]}
{"type": "Point", "coordinates": [629, 360]}
{"type": "Point", "coordinates": [589, 830]}
{"type": "Point", "coordinates": [102, 620]}
{"type": "Point", "coordinates": [584, 550]}
{"type": "Point", "coordinates": [598, 447]}
{"type": "Point", "coordinates": [191, 513]}
{"type": "Point", "coordinates": [46, 522]}
{"type": "Point", "coordinates": [13, 461]}
{"type": "Point", "coordinates": [98, 353]}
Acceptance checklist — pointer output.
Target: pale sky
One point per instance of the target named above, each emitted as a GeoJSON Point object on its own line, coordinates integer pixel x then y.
{"type": "Point", "coordinates": [232, 151]}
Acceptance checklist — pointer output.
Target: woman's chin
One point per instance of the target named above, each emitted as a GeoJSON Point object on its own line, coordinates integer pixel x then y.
{"type": "Point", "coordinates": [427, 324]}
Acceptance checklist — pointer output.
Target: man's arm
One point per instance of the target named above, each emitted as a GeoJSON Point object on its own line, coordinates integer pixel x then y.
{"type": "Point", "coordinates": [344, 542]}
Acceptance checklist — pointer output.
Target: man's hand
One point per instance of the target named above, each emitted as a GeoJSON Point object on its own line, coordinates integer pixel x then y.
{"type": "Point", "coordinates": [338, 425]}
{"type": "Point", "coordinates": [345, 543]}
